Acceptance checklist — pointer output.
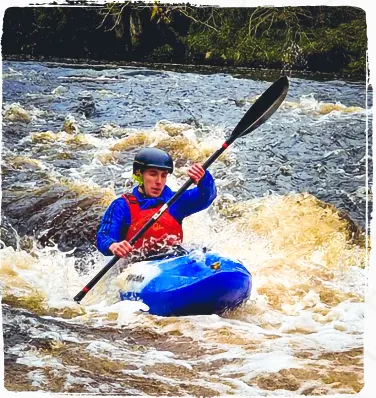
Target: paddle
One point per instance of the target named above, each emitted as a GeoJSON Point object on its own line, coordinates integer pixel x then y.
{"type": "Point", "coordinates": [259, 112]}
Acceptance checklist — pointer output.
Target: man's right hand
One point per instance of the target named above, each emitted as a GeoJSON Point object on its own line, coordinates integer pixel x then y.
{"type": "Point", "coordinates": [121, 249]}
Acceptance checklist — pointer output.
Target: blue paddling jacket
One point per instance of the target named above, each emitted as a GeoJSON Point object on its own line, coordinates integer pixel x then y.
{"type": "Point", "coordinates": [117, 218]}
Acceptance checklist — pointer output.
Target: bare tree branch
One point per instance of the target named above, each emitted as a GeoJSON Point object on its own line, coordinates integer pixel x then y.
{"type": "Point", "coordinates": [263, 12]}
{"type": "Point", "coordinates": [184, 12]}
{"type": "Point", "coordinates": [116, 14]}
{"type": "Point", "coordinates": [107, 14]}
{"type": "Point", "coordinates": [119, 15]}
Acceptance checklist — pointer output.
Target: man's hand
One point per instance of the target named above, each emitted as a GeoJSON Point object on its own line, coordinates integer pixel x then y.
{"type": "Point", "coordinates": [121, 249]}
{"type": "Point", "coordinates": [196, 172]}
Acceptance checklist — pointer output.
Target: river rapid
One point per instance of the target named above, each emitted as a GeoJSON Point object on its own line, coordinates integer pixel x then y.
{"type": "Point", "coordinates": [293, 205]}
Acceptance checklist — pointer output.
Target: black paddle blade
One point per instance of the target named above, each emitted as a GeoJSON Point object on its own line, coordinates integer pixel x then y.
{"type": "Point", "coordinates": [263, 108]}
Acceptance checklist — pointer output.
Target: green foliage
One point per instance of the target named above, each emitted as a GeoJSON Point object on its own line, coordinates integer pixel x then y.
{"type": "Point", "coordinates": [346, 43]}
{"type": "Point", "coordinates": [295, 37]}
{"type": "Point", "coordinates": [162, 54]}
{"type": "Point", "coordinates": [315, 38]}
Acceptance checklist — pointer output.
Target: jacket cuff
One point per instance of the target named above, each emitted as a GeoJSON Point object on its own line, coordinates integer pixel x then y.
{"type": "Point", "coordinates": [108, 252]}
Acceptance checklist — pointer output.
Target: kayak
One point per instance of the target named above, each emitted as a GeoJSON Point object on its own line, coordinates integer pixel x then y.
{"type": "Point", "coordinates": [197, 283]}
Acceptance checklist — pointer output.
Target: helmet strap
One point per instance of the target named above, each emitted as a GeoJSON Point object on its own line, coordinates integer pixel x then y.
{"type": "Point", "coordinates": [138, 177]}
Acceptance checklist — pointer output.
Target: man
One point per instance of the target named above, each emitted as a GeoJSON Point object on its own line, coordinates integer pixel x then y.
{"type": "Point", "coordinates": [129, 213]}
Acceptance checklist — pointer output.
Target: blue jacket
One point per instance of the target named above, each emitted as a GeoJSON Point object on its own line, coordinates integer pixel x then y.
{"type": "Point", "coordinates": [117, 218]}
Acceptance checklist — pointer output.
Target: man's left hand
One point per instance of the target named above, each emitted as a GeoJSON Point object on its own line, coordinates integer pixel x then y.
{"type": "Point", "coordinates": [196, 172]}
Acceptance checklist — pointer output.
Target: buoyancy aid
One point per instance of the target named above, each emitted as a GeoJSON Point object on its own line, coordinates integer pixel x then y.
{"type": "Point", "coordinates": [163, 234]}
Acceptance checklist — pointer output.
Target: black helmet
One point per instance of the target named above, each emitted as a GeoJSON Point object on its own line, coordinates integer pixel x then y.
{"type": "Point", "coordinates": [152, 158]}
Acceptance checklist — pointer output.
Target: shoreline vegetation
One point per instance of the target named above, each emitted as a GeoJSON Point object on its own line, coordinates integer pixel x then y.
{"type": "Point", "coordinates": [320, 39]}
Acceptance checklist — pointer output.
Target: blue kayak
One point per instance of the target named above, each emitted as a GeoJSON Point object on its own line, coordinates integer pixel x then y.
{"type": "Point", "coordinates": [197, 283]}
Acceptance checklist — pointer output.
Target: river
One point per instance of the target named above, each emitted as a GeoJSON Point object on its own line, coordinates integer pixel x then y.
{"type": "Point", "coordinates": [293, 205]}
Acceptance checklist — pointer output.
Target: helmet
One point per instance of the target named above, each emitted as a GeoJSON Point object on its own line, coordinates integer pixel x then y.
{"type": "Point", "coordinates": [152, 158]}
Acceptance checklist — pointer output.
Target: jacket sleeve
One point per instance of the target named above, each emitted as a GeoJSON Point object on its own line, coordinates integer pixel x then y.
{"type": "Point", "coordinates": [114, 225]}
{"type": "Point", "coordinates": [196, 199]}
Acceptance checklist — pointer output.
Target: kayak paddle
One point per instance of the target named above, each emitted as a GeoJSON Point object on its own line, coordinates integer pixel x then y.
{"type": "Point", "coordinates": [258, 113]}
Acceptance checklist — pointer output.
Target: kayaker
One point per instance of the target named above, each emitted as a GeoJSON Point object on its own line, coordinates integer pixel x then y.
{"type": "Point", "coordinates": [127, 214]}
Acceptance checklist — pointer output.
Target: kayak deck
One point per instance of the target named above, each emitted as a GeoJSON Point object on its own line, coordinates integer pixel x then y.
{"type": "Point", "coordinates": [194, 284]}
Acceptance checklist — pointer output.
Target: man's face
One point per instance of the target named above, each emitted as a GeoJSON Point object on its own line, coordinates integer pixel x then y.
{"type": "Point", "coordinates": [154, 181]}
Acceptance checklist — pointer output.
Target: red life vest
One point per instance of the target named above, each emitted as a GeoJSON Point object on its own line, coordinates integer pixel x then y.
{"type": "Point", "coordinates": [164, 233]}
